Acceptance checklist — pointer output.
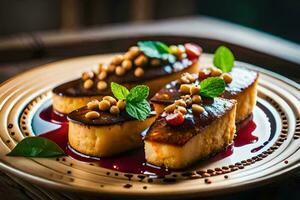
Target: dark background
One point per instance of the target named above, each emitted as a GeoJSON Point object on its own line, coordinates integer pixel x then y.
{"type": "Point", "coordinates": [281, 18]}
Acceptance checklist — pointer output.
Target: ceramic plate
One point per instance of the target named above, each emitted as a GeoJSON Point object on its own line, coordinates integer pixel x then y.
{"type": "Point", "coordinates": [266, 148]}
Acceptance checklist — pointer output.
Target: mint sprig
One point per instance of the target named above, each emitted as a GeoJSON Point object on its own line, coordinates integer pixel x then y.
{"type": "Point", "coordinates": [223, 59]}
{"type": "Point", "coordinates": [136, 104]}
{"type": "Point", "coordinates": [138, 110]}
{"type": "Point", "coordinates": [36, 147]}
{"type": "Point", "coordinates": [119, 91]}
{"type": "Point", "coordinates": [156, 49]}
{"type": "Point", "coordinates": [212, 87]}
{"type": "Point", "coordinates": [138, 93]}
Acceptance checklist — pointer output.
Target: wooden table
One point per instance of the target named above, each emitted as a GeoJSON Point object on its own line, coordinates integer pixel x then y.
{"type": "Point", "coordinates": [22, 52]}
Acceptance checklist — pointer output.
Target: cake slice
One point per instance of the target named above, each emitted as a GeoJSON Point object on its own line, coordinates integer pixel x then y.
{"type": "Point", "coordinates": [107, 135]}
{"type": "Point", "coordinates": [205, 129]}
{"type": "Point", "coordinates": [243, 89]}
{"type": "Point", "coordinates": [241, 86]}
{"type": "Point", "coordinates": [151, 63]}
{"type": "Point", "coordinates": [108, 127]}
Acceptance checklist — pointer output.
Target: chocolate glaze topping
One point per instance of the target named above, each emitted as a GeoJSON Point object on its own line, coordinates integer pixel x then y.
{"type": "Point", "coordinates": [161, 132]}
{"type": "Point", "coordinates": [242, 79]}
{"type": "Point", "coordinates": [106, 118]}
{"type": "Point", "coordinates": [75, 88]}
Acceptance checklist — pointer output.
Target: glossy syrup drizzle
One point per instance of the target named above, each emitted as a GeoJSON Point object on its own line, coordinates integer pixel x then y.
{"type": "Point", "coordinates": [133, 161]}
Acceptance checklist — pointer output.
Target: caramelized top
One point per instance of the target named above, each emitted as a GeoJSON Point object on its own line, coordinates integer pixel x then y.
{"type": "Point", "coordinates": [106, 118]}
{"type": "Point", "coordinates": [161, 132]}
{"type": "Point", "coordinates": [242, 79]}
{"type": "Point", "coordinates": [75, 88]}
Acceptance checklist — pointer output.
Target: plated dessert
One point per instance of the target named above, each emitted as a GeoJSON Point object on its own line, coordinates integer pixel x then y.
{"type": "Point", "coordinates": [195, 116]}
{"type": "Point", "coordinates": [151, 63]}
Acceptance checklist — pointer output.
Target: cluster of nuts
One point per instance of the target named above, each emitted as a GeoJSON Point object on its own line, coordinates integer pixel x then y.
{"type": "Point", "coordinates": [185, 102]}
{"type": "Point", "coordinates": [187, 85]}
{"type": "Point", "coordinates": [215, 72]}
{"type": "Point", "coordinates": [191, 97]}
{"type": "Point", "coordinates": [108, 103]}
{"type": "Point", "coordinates": [119, 65]}
{"type": "Point", "coordinates": [187, 78]}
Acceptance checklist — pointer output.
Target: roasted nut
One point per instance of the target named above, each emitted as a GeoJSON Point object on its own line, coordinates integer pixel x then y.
{"type": "Point", "coordinates": [138, 72]}
{"type": "Point", "coordinates": [181, 49]}
{"type": "Point", "coordinates": [120, 71]}
{"type": "Point", "coordinates": [174, 49]}
{"type": "Point", "coordinates": [187, 99]}
{"type": "Point", "coordinates": [182, 109]}
{"type": "Point", "coordinates": [227, 78]}
{"type": "Point", "coordinates": [155, 62]}
{"type": "Point", "coordinates": [101, 85]}
{"type": "Point", "coordinates": [140, 60]}
{"type": "Point", "coordinates": [105, 68]}
{"type": "Point", "coordinates": [93, 104]}
{"type": "Point", "coordinates": [170, 108]}
{"type": "Point", "coordinates": [163, 96]}
{"type": "Point", "coordinates": [180, 52]}
{"type": "Point", "coordinates": [184, 79]}
{"type": "Point", "coordinates": [121, 104]}
{"type": "Point", "coordinates": [104, 105]}
{"type": "Point", "coordinates": [185, 88]}
{"type": "Point", "coordinates": [134, 51]}
{"type": "Point", "coordinates": [127, 64]}
{"type": "Point", "coordinates": [211, 68]}
{"type": "Point", "coordinates": [87, 75]}
{"type": "Point", "coordinates": [92, 115]}
{"type": "Point", "coordinates": [102, 75]}
{"type": "Point", "coordinates": [195, 89]}
{"type": "Point", "coordinates": [197, 109]}
{"type": "Point", "coordinates": [111, 100]}
{"type": "Point", "coordinates": [182, 56]}
{"type": "Point", "coordinates": [88, 84]}
{"type": "Point", "coordinates": [190, 77]}
{"type": "Point", "coordinates": [216, 72]}
{"type": "Point", "coordinates": [196, 99]}
{"type": "Point", "coordinates": [180, 102]}
{"type": "Point", "coordinates": [117, 59]}
{"type": "Point", "coordinates": [128, 56]}
{"type": "Point", "coordinates": [111, 68]}
{"type": "Point", "coordinates": [100, 68]}
{"type": "Point", "coordinates": [114, 110]}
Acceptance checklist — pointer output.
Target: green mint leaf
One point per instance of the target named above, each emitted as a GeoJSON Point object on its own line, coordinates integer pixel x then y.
{"type": "Point", "coordinates": [36, 147]}
{"type": "Point", "coordinates": [138, 110]}
{"type": "Point", "coordinates": [136, 103]}
{"type": "Point", "coordinates": [212, 87]}
{"type": "Point", "coordinates": [155, 49]}
{"type": "Point", "coordinates": [119, 91]}
{"type": "Point", "coordinates": [138, 93]}
{"type": "Point", "coordinates": [224, 59]}
{"type": "Point", "coordinates": [161, 47]}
